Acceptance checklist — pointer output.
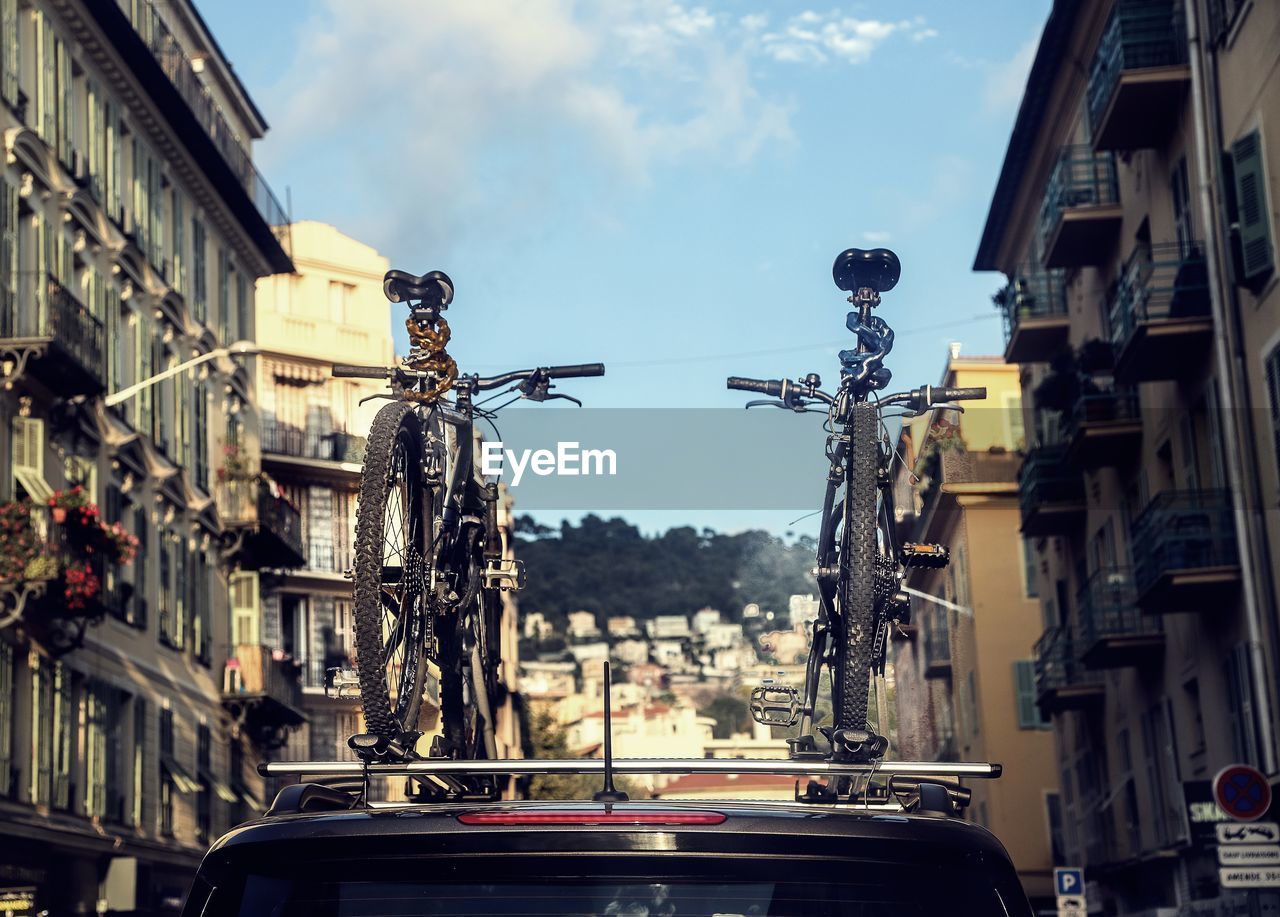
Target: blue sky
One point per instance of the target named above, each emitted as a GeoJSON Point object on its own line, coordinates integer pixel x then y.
{"type": "Point", "coordinates": [659, 187]}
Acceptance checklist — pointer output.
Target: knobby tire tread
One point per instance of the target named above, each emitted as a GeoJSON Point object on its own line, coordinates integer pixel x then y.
{"type": "Point", "coordinates": [857, 562]}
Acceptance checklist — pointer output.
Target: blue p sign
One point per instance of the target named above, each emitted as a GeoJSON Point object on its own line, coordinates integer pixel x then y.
{"type": "Point", "coordinates": [1069, 881]}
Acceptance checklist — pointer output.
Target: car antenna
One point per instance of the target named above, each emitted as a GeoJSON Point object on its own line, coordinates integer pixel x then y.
{"type": "Point", "coordinates": [610, 793]}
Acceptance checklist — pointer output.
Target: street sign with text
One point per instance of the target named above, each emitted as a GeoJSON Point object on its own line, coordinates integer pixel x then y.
{"type": "Point", "coordinates": [1249, 877]}
{"type": "Point", "coordinates": [1258, 832]}
{"type": "Point", "coordinates": [1249, 854]}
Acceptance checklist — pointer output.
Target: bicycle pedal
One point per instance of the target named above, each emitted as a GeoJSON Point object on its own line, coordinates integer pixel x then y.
{"type": "Point", "coordinates": [342, 683]}
{"type": "Point", "coordinates": [929, 556]}
{"type": "Point", "coordinates": [775, 705]}
{"type": "Point", "coordinates": [506, 575]}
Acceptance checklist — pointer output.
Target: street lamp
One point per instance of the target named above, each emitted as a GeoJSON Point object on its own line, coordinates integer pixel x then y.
{"type": "Point", "coordinates": [239, 347]}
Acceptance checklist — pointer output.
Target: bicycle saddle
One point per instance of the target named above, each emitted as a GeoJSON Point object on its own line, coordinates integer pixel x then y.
{"type": "Point", "coordinates": [877, 268]}
{"type": "Point", "coordinates": [433, 288]}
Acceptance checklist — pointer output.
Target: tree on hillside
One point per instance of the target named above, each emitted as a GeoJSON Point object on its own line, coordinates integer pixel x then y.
{"type": "Point", "coordinates": [547, 739]}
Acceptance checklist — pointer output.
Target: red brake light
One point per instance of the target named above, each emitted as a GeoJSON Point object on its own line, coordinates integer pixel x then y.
{"type": "Point", "coordinates": [571, 817]}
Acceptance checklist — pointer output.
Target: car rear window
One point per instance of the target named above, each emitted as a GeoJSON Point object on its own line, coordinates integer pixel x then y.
{"type": "Point", "coordinates": [642, 887]}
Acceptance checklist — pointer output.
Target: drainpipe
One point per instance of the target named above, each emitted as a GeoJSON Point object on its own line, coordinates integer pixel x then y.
{"type": "Point", "coordinates": [1232, 392]}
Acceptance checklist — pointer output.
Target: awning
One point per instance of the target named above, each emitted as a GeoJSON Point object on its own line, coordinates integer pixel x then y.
{"type": "Point", "coordinates": [182, 779]}
{"type": "Point", "coordinates": [296, 372]}
{"type": "Point", "coordinates": [247, 796]}
{"type": "Point", "coordinates": [222, 791]}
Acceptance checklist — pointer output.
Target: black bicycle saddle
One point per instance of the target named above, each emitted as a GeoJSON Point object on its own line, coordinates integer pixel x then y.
{"type": "Point", "coordinates": [877, 268]}
{"type": "Point", "coordinates": [433, 288]}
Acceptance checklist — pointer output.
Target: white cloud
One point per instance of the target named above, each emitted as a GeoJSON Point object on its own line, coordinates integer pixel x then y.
{"type": "Point", "coordinates": [754, 22]}
{"type": "Point", "coordinates": [457, 119]}
{"type": "Point", "coordinates": [877, 236]}
{"type": "Point", "coordinates": [816, 37]}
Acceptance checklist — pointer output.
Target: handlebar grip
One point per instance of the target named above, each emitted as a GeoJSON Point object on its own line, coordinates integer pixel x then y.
{"type": "Point", "coordinates": [964, 394]}
{"type": "Point", "coordinates": [349, 371]}
{"type": "Point", "coordinates": [575, 371]}
{"type": "Point", "coordinates": [770, 387]}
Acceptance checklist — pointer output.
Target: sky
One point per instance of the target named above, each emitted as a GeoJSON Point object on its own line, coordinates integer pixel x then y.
{"type": "Point", "coordinates": [656, 186]}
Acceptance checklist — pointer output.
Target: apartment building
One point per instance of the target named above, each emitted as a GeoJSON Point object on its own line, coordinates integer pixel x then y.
{"type": "Point", "coordinates": [132, 227]}
{"type": "Point", "coordinates": [964, 678]}
{"type": "Point", "coordinates": [1135, 222]}
{"type": "Point", "coordinates": [331, 310]}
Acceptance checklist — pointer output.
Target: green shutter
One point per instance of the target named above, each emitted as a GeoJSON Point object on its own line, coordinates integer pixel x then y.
{"type": "Point", "coordinates": [1273, 396]}
{"type": "Point", "coordinates": [1024, 683]}
{"type": "Point", "coordinates": [9, 49]}
{"type": "Point", "coordinates": [1255, 216]}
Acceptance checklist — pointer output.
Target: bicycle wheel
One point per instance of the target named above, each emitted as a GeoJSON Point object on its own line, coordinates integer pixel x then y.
{"type": "Point", "coordinates": [392, 537]}
{"type": "Point", "coordinates": [855, 635]}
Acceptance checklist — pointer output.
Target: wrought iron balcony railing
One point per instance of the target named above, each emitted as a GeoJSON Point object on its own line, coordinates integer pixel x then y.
{"type": "Point", "coordinates": [1108, 607]}
{"type": "Point", "coordinates": [1159, 282]}
{"type": "Point", "coordinates": [1032, 294]}
{"type": "Point", "coordinates": [1080, 178]}
{"type": "Point", "coordinates": [1183, 530]}
{"type": "Point", "coordinates": [272, 526]}
{"type": "Point", "coordinates": [336, 446]}
{"type": "Point", "coordinates": [45, 310]}
{"type": "Point", "coordinates": [1139, 34]}
{"type": "Point", "coordinates": [180, 70]}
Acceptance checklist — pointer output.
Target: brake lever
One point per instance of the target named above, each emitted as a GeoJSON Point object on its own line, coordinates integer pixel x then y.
{"type": "Point", "coordinates": [373, 397]}
{"type": "Point", "coordinates": [767, 404]}
{"type": "Point", "coordinates": [549, 397]}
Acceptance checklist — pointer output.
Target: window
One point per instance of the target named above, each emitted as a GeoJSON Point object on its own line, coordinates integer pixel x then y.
{"type": "Point", "coordinates": [8, 703]}
{"type": "Point", "coordinates": [141, 529]}
{"type": "Point", "coordinates": [199, 273]}
{"type": "Point", "coordinates": [204, 795]}
{"type": "Point", "coordinates": [54, 91]}
{"type": "Point", "coordinates": [1253, 213]}
{"type": "Point", "coordinates": [9, 51]}
{"type": "Point", "coordinates": [1237, 671]}
{"type": "Point", "coordinates": [1024, 691]}
{"type": "Point", "coordinates": [28, 459]}
{"type": "Point", "coordinates": [179, 274]}
{"type": "Point", "coordinates": [165, 598]}
{"type": "Point", "coordinates": [50, 734]}
{"type": "Point", "coordinates": [1057, 844]}
{"type": "Point", "coordinates": [1273, 396]}
{"type": "Point", "coordinates": [1190, 467]}
{"type": "Point", "coordinates": [137, 782]}
{"type": "Point", "coordinates": [244, 609]}
{"type": "Point", "coordinates": [9, 228]}
{"type": "Point", "coordinates": [167, 788]}
{"type": "Point", "coordinates": [95, 717]}
{"type": "Point", "coordinates": [200, 435]}
{"type": "Point", "coordinates": [224, 296]}
{"type": "Point", "coordinates": [1180, 190]}
{"type": "Point", "coordinates": [1030, 589]}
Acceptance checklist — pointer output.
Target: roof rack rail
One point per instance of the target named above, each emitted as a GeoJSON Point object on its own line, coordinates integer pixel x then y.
{"type": "Point", "coordinates": [515, 767]}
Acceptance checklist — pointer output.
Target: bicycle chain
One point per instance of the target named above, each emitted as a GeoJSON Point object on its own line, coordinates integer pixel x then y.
{"type": "Point", "coordinates": [427, 342]}
{"type": "Point", "coordinates": [866, 371]}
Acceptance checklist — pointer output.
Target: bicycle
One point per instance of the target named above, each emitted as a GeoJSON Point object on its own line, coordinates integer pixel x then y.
{"type": "Point", "coordinates": [430, 562]}
{"type": "Point", "coordinates": [860, 563]}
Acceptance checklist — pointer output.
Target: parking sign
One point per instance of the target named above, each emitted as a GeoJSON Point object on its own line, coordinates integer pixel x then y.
{"type": "Point", "coordinates": [1069, 881]}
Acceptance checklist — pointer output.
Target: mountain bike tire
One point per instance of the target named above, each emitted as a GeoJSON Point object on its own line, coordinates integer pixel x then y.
{"type": "Point", "coordinates": [856, 635]}
{"type": "Point", "coordinates": [391, 496]}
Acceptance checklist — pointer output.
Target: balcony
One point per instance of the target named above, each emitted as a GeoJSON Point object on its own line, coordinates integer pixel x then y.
{"type": "Point", "coordinates": [1115, 633]}
{"type": "Point", "coordinates": [1139, 76]}
{"type": "Point", "coordinates": [1034, 308]}
{"type": "Point", "coordinates": [1080, 217]}
{"type": "Point", "coordinates": [295, 442]}
{"type": "Point", "coordinates": [267, 527]}
{"type": "Point", "coordinates": [262, 693]}
{"type": "Point", "coordinates": [937, 645]}
{"type": "Point", "coordinates": [62, 340]}
{"type": "Point", "coordinates": [1050, 493]}
{"type": "Point", "coordinates": [1159, 313]}
{"type": "Point", "coordinates": [1184, 552]}
{"type": "Point", "coordinates": [1062, 682]}
{"type": "Point", "coordinates": [1103, 429]}
{"type": "Point", "coordinates": [949, 472]}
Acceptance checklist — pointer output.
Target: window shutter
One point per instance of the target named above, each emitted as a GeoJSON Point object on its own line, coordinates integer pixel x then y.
{"type": "Point", "coordinates": [1273, 396]}
{"type": "Point", "coordinates": [1255, 216]}
{"type": "Point", "coordinates": [244, 609]}
{"type": "Point", "coordinates": [9, 47]}
{"type": "Point", "coordinates": [1024, 681]}
{"type": "Point", "coordinates": [6, 718]}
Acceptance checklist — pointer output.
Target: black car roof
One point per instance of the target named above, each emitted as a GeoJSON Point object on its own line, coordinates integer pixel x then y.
{"type": "Point", "coordinates": [778, 820]}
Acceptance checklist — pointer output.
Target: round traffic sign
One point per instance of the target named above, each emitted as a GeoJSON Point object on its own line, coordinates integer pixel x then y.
{"type": "Point", "coordinates": [1242, 792]}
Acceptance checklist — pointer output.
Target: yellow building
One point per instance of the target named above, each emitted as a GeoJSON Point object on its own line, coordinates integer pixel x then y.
{"type": "Point", "coordinates": [331, 310]}
{"type": "Point", "coordinates": [965, 678]}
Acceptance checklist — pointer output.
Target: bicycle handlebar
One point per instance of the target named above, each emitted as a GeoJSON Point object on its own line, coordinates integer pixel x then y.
{"type": "Point", "coordinates": [963, 394]}
{"type": "Point", "coordinates": [351, 371]}
{"type": "Point", "coordinates": [771, 387]}
{"type": "Point", "coordinates": [575, 371]}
